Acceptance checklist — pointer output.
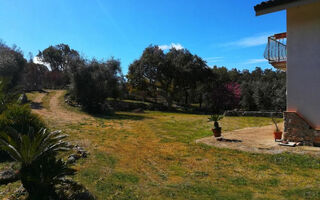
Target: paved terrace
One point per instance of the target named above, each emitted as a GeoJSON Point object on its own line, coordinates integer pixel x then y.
{"type": "Point", "coordinates": [257, 140]}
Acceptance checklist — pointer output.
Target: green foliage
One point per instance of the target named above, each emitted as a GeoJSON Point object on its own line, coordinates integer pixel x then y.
{"type": "Point", "coordinates": [60, 57]}
{"type": "Point", "coordinates": [177, 79]}
{"type": "Point", "coordinates": [263, 90]}
{"type": "Point", "coordinates": [34, 76]}
{"type": "Point", "coordinates": [93, 84]}
{"type": "Point", "coordinates": [215, 118]}
{"type": "Point", "coordinates": [181, 78]}
{"type": "Point", "coordinates": [63, 63]}
{"type": "Point", "coordinates": [7, 97]}
{"type": "Point", "coordinates": [171, 76]}
{"type": "Point", "coordinates": [247, 101]}
{"type": "Point", "coordinates": [275, 122]}
{"type": "Point", "coordinates": [40, 171]}
{"type": "Point", "coordinates": [31, 146]}
{"type": "Point", "coordinates": [20, 118]}
{"type": "Point", "coordinates": [3, 103]}
{"type": "Point", "coordinates": [12, 64]}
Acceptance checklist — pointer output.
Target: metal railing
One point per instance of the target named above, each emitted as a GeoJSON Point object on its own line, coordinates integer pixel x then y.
{"type": "Point", "coordinates": [276, 50]}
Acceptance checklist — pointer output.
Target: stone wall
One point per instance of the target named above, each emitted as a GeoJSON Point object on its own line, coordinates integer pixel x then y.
{"type": "Point", "coordinates": [296, 129]}
{"type": "Point", "coordinates": [239, 113]}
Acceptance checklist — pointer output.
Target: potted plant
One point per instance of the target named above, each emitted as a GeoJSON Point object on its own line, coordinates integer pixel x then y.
{"type": "Point", "coordinates": [277, 133]}
{"type": "Point", "coordinates": [216, 128]}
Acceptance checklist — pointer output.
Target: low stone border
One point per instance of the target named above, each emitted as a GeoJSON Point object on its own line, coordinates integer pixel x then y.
{"type": "Point", "coordinates": [8, 176]}
{"type": "Point", "coordinates": [79, 153]}
{"type": "Point", "coordinates": [237, 113]}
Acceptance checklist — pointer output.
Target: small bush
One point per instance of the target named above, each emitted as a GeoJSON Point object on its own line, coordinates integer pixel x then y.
{"type": "Point", "coordinates": [20, 118]}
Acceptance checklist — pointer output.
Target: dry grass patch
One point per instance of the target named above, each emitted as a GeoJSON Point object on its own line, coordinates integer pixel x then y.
{"type": "Point", "coordinates": [153, 155]}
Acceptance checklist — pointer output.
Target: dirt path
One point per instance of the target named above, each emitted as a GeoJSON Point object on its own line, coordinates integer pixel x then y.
{"type": "Point", "coordinates": [37, 104]}
{"type": "Point", "coordinates": [55, 111]}
{"type": "Point", "coordinates": [39, 98]}
{"type": "Point", "coordinates": [256, 139]}
{"type": "Point", "coordinates": [61, 113]}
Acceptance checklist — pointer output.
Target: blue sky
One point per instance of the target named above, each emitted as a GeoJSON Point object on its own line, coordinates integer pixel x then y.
{"type": "Point", "coordinates": [223, 32]}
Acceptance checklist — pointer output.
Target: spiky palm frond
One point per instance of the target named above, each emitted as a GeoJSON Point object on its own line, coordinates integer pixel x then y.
{"type": "Point", "coordinates": [46, 171]}
{"type": "Point", "coordinates": [26, 148]}
{"type": "Point", "coordinates": [40, 171]}
{"type": "Point", "coordinates": [54, 171]}
{"type": "Point", "coordinates": [215, 118]}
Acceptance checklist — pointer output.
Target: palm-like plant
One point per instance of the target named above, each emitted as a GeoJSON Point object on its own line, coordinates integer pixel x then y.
{"type": "Point", "coordinates": [40, 170]}
{"type": "Point", "coordinates": [26, 148]}
{"type": "Point", "coordinates": [216, 118]}
{"type": "Point", "coordinates": [275, 122]}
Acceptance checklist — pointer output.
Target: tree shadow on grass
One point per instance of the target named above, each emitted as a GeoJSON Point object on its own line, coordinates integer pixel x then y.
{"type": "Point", "coordinates": [120, 116]}
{"type": "Point", "coordinates": [36, 106]}
{"type": "Point", "coordinates": [228, 140]}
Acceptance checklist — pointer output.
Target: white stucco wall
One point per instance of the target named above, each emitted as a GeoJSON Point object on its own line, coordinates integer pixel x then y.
{"type": "Point", "coordinates": [303, 64]}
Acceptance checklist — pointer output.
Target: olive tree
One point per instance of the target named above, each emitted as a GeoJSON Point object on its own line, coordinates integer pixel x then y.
{"type": "Point", "coordinates": [95, 82]}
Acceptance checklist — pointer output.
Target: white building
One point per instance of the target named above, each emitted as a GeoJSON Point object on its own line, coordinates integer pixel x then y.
{"type": "Point", "coordinates": [298, 52]}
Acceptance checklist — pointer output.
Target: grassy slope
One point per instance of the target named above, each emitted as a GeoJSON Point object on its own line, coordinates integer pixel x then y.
{"type": "Point", "coordinates": [153, 156]}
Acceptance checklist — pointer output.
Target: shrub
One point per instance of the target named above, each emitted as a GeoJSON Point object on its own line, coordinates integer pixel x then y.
{"type": "Point", "coordinates": [55, 79]}
{"type": "Point", "coordinates": [34, 76]}
{"type": "Point", "coordinates": [3, 104]}
{"type": "Point", "coordinates": [12, 64]}
{"type": "Point", "coordinates": [36, 152]}
{"type": "Point", "coordinates": [20, 118]}
{"type": "Point", "coordinates": [6, 97]}
{"type": "Point", "coordinates": [93, 84]}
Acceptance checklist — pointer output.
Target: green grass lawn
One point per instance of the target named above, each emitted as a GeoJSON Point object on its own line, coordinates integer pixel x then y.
{"type": "Point", "coordinates": [153, 155]}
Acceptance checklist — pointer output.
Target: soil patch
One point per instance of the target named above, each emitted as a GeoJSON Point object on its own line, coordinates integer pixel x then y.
{"type": "Point", "coordinates": [56, 111]}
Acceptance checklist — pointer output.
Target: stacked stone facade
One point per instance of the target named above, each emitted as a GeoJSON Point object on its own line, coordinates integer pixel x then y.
{"type": "Point", "coordinates": [296, 129]}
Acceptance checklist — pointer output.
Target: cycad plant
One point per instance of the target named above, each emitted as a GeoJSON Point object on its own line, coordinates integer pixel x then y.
{"type": "Point", "coordinates": [40, 171]}
{"type": "Point", "coordinates": [216, 128]}
{"type": "Point", "coordinates": [275, 122]}
{"type": "Point", "coordinates": [215, 118]}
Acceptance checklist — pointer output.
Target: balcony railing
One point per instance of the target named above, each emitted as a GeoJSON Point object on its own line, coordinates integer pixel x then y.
{"type": "Point", "coordinates": [276, 51]}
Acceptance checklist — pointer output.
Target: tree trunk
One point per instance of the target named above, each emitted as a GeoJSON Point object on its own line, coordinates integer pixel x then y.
{"type": "Point", "coordinates": [186, 98]}
{"type": "Point", "coordinates": [169, 101]}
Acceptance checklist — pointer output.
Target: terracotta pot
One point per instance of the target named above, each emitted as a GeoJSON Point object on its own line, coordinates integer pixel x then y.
{"type": "Point", "coordinates": [277, 135]}
{"type": "Point", "coordinates": [316, 141]}
{"type": "Point", "coordinates": [216, 132]}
